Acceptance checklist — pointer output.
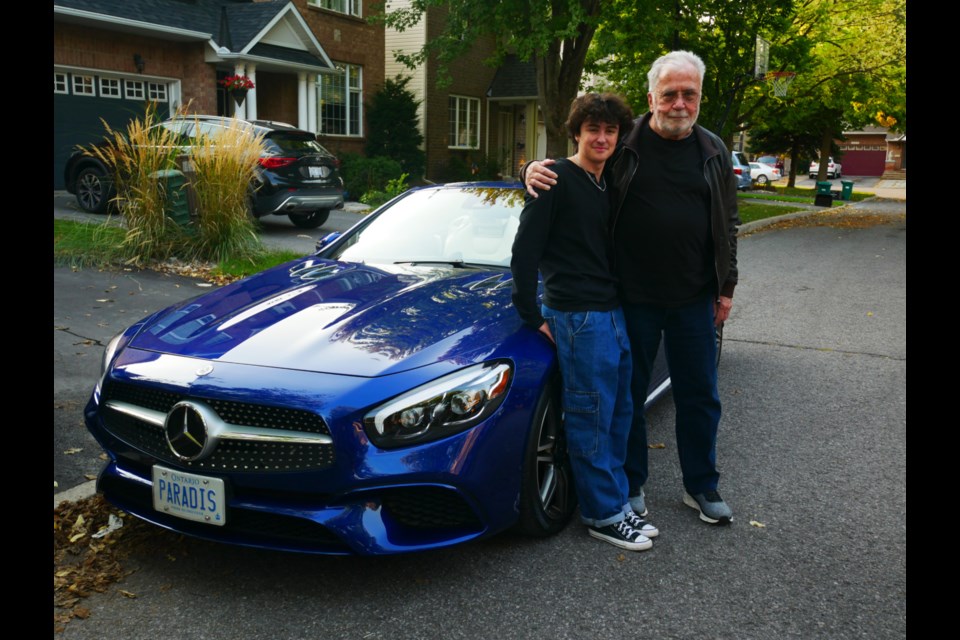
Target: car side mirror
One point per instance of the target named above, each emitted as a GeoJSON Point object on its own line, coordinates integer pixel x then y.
{"type": "Point", "coordinates": [327, 240]}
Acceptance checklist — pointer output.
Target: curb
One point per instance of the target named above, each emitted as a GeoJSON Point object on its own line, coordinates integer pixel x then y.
{"type": "Point", "coordinates": [85, 490]}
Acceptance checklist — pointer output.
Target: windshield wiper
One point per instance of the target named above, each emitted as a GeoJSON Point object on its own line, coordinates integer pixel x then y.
{"type": "Point", "coordinates": [457, 264]}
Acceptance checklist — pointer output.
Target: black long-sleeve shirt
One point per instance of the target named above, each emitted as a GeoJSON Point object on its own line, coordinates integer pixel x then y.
{"type": "Point", "coordinates": [564, 233]}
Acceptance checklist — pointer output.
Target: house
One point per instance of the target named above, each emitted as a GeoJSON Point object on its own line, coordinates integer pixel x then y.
{"type": "Point", "coordinates": [313, 64]}
{"type": "Point", "coordinates": [485, 114]}
{"type": "Point", "coordinates": [873, 151]}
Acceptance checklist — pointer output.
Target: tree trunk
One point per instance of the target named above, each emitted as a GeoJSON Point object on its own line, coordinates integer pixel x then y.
{"type": "Point", "coordinates": [826, 146]}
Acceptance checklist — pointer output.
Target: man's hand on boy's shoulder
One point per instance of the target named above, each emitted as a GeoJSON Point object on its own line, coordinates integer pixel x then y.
{"type": "Point", "coordinates": [536, 176]}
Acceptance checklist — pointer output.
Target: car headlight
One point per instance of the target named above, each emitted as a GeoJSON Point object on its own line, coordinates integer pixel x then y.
{"type": "Point", "coordinates": [440, 408]}
{"type": "Point", "coordinates": [110, 352]}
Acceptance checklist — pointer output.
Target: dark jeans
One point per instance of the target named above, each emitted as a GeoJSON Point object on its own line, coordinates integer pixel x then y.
{"type": "Point", "coordinates": [691, 350]}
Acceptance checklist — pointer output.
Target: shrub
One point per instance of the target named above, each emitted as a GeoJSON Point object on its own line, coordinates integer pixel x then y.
{"type": "Point", "coordinates": [361, 174]}
{"type": "Point", "coordinates": [468, 167]}
{"type": "Point", "coordinates": [391, 191]}
{"type": "Point", "coordinates": [393, 130]}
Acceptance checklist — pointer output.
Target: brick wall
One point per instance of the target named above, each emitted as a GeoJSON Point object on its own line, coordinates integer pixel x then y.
{"type": "Point", "coordinates": [352, 40]}
{"type": "Point", "coordinates": [111, 51]}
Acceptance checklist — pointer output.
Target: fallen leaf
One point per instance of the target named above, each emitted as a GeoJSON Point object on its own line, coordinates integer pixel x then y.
{"type": "Point", "coordinates": [81, 612]}
{"type": "Point", "coordinates": [76, 537]}
{"type": "Point", "coordinates": [73, 450]}
{"type": "Point", "coordinates": [127, 594]}
{"type": "Point", "coordinates": [66, 572]}
{"type": "Point", "coordinates": [869, 314]}
{"type": "Point", "coordinates": [759, 525]}
{"type": "Point", "coordinates": [104, 300]}
{"type": "Point", "coordinates": [55, 484]}
{"type": "Point", "coordinates": [656, 445]}
{"type": "Point", "coordinates": [103, 456]}
{"type": "Point", "coordinates": [621, 557]}
{"type": "Point", "coordinates": [90, 476]}
{"type": "Point", "coordinates": [204, 284]}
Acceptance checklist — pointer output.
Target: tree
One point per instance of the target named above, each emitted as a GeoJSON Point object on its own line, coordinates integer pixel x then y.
{"type": "Point", "coordinates": [555, 34]}
{"type": "Point", "coordinates": [722, 33]}
{"type": "Point", "coordinates": [393, 126]}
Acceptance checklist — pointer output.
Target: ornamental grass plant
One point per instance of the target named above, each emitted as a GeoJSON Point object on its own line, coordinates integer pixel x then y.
{"type": "Point", "coordinates": [136, 159]}
{"type": "Point", "coordinates": [221, 172]}
{"type": "Point", "coordinates": [225, 170]}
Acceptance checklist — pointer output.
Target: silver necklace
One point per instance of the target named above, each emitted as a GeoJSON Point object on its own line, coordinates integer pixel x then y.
{"type": "Point", "coordinates": [602, 184]}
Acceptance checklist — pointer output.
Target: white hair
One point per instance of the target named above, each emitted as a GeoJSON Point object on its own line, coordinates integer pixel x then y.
{"type": "Point", "coordinates": [674, 59]}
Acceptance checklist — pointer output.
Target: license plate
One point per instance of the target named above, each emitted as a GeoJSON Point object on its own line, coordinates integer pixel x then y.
{"type": "Point", "coordinates": [315, 172]}
{"type": "Point", "coordinates": [189, 496]}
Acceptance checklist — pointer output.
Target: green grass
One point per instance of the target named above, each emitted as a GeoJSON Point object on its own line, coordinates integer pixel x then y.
{"type": "Point", "coordinates": [85, 244]}
{"type": "Point", "coordinates": [795, 194]}
{"type": "Point", "coordinates": [750, 211]}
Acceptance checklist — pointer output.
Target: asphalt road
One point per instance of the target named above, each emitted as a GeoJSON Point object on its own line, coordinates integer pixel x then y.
{"type": "Point", "coordinates": [812, 452]}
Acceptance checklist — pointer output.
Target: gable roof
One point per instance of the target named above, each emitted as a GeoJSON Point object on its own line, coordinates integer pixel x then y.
{"type": "Point", "coordinates": [233, 28]}
{"type": "Point", "coordinates": [514, 79]}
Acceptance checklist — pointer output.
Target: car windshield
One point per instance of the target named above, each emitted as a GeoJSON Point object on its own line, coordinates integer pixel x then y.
{"type": "Point", "coordinates": [294, 144]}
{"type": "Point", "coordinates": [464, 226]}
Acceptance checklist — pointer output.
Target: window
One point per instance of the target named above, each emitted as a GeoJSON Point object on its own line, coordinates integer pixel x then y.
{"type": "Point", "coordinates": [83, 85]}
{"type": "Point", "coordinates": [340, 97]}
{"type": "Point", "coordinates": [464, 123]}
{"type": "Point", "coordinates": [60, 83]}
{"type": "Point", "coordinates": [350, 7]}
{"type": "Point", "coordinates": [135, 90]}
{"type": "Point", "coordinates": [157, 91]}
{"type": "Point", "coordinates": [109, 87]}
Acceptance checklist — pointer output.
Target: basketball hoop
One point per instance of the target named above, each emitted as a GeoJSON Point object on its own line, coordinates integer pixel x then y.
{"type": "Point", "coordinates": [780, 81]}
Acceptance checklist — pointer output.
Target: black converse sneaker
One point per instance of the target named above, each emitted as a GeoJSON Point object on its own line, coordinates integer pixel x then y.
{"type": "Point", "coordinates": [642, 525]}
{"type": "Point", "coordinates": [621, 534]}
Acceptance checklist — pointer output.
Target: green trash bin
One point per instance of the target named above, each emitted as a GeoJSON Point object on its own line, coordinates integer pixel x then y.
{"type": "Point", "coordinates": [847, 192]}
{"type": "Point", "coordinates": [173, 183]}
{"type": "Point", "coordinates": [824, 197]}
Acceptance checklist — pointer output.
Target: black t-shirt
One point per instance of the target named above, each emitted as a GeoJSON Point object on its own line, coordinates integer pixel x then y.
{"type": "Point", "coordinates": [662, 241]}
{"type": "Point", "coordinates": [565, 234]}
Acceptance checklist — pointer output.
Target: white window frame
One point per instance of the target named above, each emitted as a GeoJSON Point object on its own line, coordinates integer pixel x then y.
{"type": "Point", "coordinates": [60, 84]}
{"type": "Point", "coordinates": [351, 77]}
{"type": "Point", "coordinates": [457, 128]}
{"type": "Point", "coordinates": [135, 90]}
{"type": "Point", "coordinates": [83, 85]}
{"type": "Point", "coordinates": [110, 88]}
{"type": "Point", "coordinates": [346, 7]}
{"type": "Point", "coordinates": [157, 91]}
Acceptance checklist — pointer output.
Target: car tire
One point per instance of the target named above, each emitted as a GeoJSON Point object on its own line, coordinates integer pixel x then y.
{"type": "Point", "coordinates": [547, 495]}
{"type": "Point", "coordinates": [93, 190]}
{"type": "Point", "coordinates": [762, 180]}
{"type": "Point", "coordinates": [310, 220]}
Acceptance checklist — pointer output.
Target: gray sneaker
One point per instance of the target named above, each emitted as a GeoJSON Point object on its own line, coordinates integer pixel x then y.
{"type": "Point", "coordinates": [711, 506]}
{"type": "Point", "coordinates": [638, 503]}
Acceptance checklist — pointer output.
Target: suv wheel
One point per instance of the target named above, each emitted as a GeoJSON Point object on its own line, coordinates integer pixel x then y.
{"type": "Point", "coordinates": [93, 190]}
{"type": "Point", "coordinates": [310, 220]}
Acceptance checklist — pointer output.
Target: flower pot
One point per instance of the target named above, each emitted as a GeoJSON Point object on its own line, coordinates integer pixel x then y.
{"type": "Point", "coordinates": [239, 95]}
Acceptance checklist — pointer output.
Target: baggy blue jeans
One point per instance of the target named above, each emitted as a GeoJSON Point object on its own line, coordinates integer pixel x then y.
{"type": "Point", "coordinates": [595, 363]}
{"type": "Point", "coordinates": [691, 349]}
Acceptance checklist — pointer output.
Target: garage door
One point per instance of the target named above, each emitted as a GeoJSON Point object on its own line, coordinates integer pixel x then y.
{"type": "Point", "coordinates": [80, 100]}
{"type": "Point", "coordinates": [863, 162]}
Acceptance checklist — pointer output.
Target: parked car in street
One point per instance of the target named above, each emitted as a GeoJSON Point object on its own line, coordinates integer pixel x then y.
{"type": "Point", "coordinates": [833, 169]}
{"type": "Point", "coordinates": [297, 176]}
{"type": "Point", "coordinates": [762, 174]}
{"type": "Point", "coordinates": [742, 170]}
{"type": "Point", "coordinates": [379, 396]}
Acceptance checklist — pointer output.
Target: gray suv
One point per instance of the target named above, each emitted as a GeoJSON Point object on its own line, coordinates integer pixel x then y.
{"type": "Point", "coordinates": [742, 170]}
{"type": "Point", "coordinates": [296, 176]}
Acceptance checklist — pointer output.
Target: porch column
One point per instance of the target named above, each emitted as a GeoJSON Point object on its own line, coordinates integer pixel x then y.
{"type": "Point", "coordinates": [303, 116]}
{"type": "Point", "coordinates": [312, 102]}
{"type": "Point", "coordinates": [240, 110]}
{"type": "Point", "coordinates": [250, 104]}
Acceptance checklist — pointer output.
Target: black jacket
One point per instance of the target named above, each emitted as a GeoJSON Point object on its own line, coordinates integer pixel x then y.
{"type": "Point", "coordinates": [718, 171]}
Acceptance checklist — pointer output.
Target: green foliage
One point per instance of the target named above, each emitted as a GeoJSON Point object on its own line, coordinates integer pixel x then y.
{"type": "Point", "coordinates": [467, 167]}
{"type": "Point", "coordinates": [750, 212]}
{"type": "Point", "coordinates": [392, 126]}
{"type": "Point", "coordinates": [392, 190]}
{"type": "Point", "coordinates": [361, 174]}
